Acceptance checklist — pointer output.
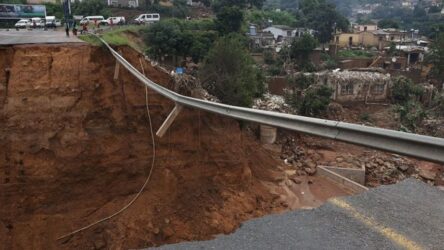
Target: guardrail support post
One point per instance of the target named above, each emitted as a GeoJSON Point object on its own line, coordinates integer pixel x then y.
{"type": "Point", "coordinates": [117, 69]}
{"type": "Point", "coordinates": [169, 120]}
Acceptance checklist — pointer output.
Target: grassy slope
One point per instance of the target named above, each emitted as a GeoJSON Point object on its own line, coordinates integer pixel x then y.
{"type": "Point", "coordinates": [126, 35]}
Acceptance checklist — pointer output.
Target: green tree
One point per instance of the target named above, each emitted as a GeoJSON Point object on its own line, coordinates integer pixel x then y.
{"type": "Point", "coordinates": [436, 57]}
{"type": "Point", "coordinates": [388, 23]}
{"type": "Point", "coordinates": [13, 1]}
{"type": "Point", "coordinates": [163, 39]}
{"type": "Point", "coordinates": [230, 74]}
{"type": "Point", "coordinates": [90, 7]}
{"type": "Point", "coordinates": [229, 19]}
{"type": "Point", "coordinates": [323, 17]}
{"type": "Point", "coordinates": [301, 48]}
{"type": "Point", "coordinates": [404, 90]}
{"type": "Point", "coordinates": [315, 101]}
{"type": "Point", "coordinates": [174, 37]}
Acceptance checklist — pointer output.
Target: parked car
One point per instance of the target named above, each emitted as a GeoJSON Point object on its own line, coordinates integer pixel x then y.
{"type": "Point", "coordinates": [50, 22]}
{"type": "Point", "coordinates": [147, 18]}
{"type": "Point", "coordinates": [37, 22]}
{"type": "Point", "coordinates": [116, 20]}
{"type": "Point", "coordinates": [92, 19]}
{"type": "Point", "coordinates": [23, 23]}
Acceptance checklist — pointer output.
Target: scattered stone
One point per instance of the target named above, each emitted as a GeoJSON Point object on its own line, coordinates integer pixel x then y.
{"type": "Point", "coordinates": [427, 174]}
{"type": "Point", "coordinates": [296, 180]}
{"type": "Point", "coordinates": [403, 167]}
{"type": "Point", "coordinates": [310, 171]}
{"type": "Point", "coordinates": [168, 232]}
{"type": "Point", "coordinates": [339, 159]}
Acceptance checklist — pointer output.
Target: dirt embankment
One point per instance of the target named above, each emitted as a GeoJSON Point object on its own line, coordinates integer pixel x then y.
{"type": "Point", "coordinates": [75, 146]}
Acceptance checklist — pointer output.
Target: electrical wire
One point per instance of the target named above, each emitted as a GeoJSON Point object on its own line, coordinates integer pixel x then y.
{"type": "Point", "coordinates": [144, 184]}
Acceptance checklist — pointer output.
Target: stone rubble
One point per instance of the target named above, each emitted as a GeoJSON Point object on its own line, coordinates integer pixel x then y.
{"type": "Point", "coordinates": [271, 102]}
{"type": "Point", "coordinates": [381, 168]}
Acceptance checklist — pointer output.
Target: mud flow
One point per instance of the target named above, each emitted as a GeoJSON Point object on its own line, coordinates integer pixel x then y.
{"type": "Point", "coordinates": [75, 146]}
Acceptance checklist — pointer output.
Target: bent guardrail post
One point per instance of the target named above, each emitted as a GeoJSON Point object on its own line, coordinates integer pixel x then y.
{"type": "Point", "coordinates": [419, 146]}
{"type": "Point", "coordinates": [169, 120]}
{"type": "Point", "coordinates": [117, 69]}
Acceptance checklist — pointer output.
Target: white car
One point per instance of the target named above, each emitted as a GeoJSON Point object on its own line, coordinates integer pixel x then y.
{"type": "Point", "coordinates": [115, 20]}
{"type": "Point", "coordinates": [92, 19]}
{"type": "Point", "coordinates": [23, 23]}
{"type": "Point", "coordinates": [147, 18]}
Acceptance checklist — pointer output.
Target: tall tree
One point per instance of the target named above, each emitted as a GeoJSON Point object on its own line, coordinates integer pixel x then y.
{"type": "Point", "coordinates": [323, 17]}
{"type": "Point", "coordinates": [230, 73]}
{"type": "Point", "coordinates": [436, 56]}
{"type": "Point", "coordinates": [301, 48]}
{"type": "Point", "coordinates": [229, 19]}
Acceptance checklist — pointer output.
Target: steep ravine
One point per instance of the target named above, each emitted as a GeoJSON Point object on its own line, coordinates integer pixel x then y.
{"type": "Point", "coordinates": [75, 146]}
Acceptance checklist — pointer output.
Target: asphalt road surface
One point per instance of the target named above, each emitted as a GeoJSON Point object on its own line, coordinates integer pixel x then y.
{"type": "Point", "coordinates": [408, 215]}
{"type": "Point", "coordinates": [35, 37]}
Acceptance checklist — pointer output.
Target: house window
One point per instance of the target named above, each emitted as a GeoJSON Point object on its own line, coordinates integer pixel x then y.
{"type": "Point", "coordinates": [347, 89]}
{"type": "Point", "coordinates": [350, 41]}
{"type": "Point", "coordinates": [289, 33]}
{"type": "Point", "coordinates": [396, 66]}
{"type": "Point", "coordinates": [378, 89]}
{"type": "Point", "coordinates": [365, 28]}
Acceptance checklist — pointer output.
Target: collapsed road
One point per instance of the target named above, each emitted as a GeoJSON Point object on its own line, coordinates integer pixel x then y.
{"type": "Point", "coordinates": [75, 147]}
{"type": "Point", "coordinates": [407, 215]}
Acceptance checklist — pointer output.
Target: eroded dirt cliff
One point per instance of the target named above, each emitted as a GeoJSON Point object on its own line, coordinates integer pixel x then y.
{"type": "Point", "coordinates": [75, 146]}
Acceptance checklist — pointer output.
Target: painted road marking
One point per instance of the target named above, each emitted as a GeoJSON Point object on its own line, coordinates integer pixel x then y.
{"type": "Point", "coordinates": [387, 232]}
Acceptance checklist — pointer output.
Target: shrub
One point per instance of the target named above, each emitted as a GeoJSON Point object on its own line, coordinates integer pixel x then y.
{"type": "Point", "coordinates": [411, 115]}
{"type": "Point", "coordinates": [230, 74]}
{"type": "Point", "coordinates": [404, 90]}
{"type": "Point", "coordinates": [313, 103]}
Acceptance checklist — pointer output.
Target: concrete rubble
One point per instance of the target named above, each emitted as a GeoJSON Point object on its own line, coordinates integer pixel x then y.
{"type": "Point", "coordinates": [381, 168]}
{"type": "Point", "coordinates": [271, 102]}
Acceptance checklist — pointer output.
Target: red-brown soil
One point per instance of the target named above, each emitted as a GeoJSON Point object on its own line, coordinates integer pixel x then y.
{"type": "Point", "coordinates": [75, 147]}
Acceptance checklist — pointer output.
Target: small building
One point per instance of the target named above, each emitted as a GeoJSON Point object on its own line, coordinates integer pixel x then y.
{"type": "Point", "coordinates": [396, 36]}
{"type": "Point", "coordinates": [280, 32]}
{"type": "Point", "coordinates": [356, 86]}
{"type": "Point", "coordinates": [123, 3]}
{"type": "Point", "coordinates": [374, 38]}
{"type": "Point", "coordinates": [260, 39]}
{"type": "Point", "coordinates": [365, 27]}
{"type": "Point", "coordinates": [40, 1]}
{"type": "Point", "coordinates": [347, 39]}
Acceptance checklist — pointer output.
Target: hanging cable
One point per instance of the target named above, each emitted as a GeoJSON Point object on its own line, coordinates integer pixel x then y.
{"type": "Point", "coordinates": [144, 184]}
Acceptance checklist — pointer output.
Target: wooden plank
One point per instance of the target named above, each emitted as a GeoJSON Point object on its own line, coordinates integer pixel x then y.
{"type": "Point", "coordinates": [169, 120]}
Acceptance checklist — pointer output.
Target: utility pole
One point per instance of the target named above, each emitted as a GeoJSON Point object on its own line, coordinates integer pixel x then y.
{"type": "Point", "coordinates": [67, 13]}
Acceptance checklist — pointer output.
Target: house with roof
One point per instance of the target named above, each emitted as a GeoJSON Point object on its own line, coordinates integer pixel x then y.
{"type": "Point", "coordinates": [123, 3]}
{"type": "Point", "coordinates": [260, 39]}
{"type": "Point", "coordinates": [285, 33]}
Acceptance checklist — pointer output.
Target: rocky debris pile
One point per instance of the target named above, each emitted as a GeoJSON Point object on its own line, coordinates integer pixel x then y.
{"type": "Point", "coordinates": [184, 84]}
{"type": "Point", "coordinates": [304, 161]}
{"type": "Point", "coordinates": [381, 168]}
{"type": "Point", "coordinates": [203, 94]}
{"type": "Point", "coordinates": [433, 127]}
{"type": "Point", "coordinates": [271, 102]}
{"type": "Point", "coordinates": [358, 76]}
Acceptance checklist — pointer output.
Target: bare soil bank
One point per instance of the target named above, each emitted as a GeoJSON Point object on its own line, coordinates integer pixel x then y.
{"type": "Point", "coordinates": [75, 147]}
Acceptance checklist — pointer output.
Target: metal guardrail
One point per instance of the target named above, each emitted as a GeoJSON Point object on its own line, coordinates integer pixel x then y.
{"type": "Point", "coordinates": [419, 146]}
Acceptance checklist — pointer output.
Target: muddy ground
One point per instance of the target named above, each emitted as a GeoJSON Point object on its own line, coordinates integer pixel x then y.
{"type": "Point", "coordinates": [75, 146]}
